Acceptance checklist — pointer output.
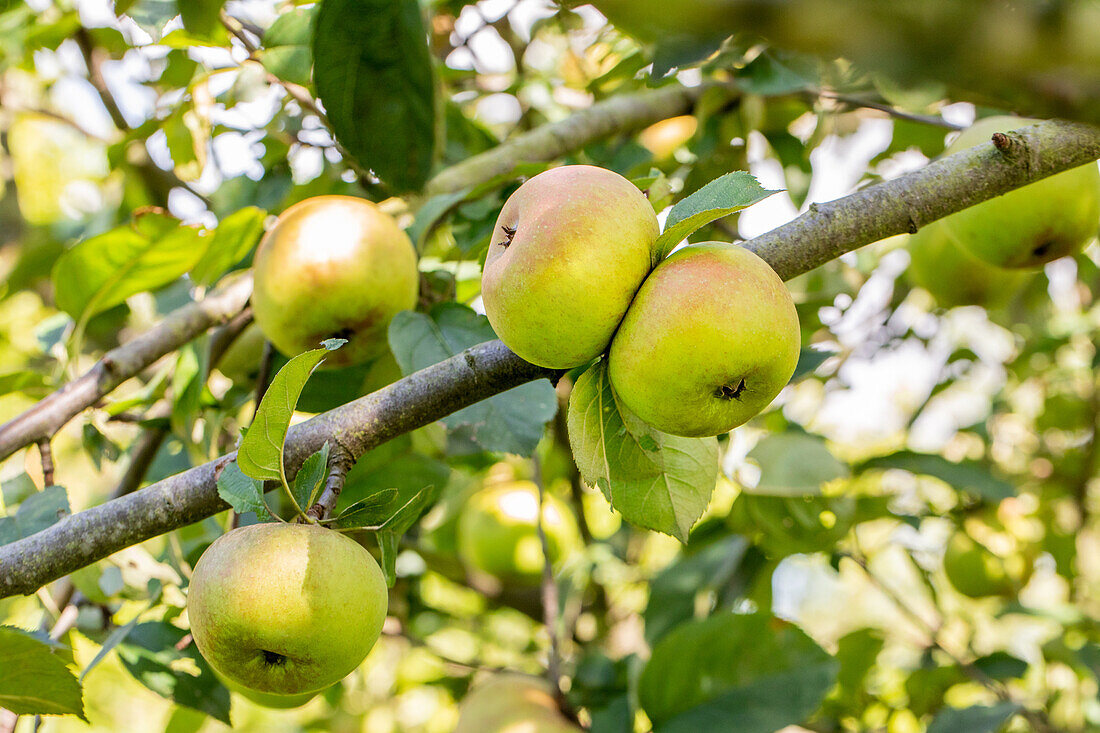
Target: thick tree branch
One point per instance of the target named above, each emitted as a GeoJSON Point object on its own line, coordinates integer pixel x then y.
{"type": "Point", "coordinates": [823, 233]}
{"type": "Point", "coordinates": [914, 200]}
{"type": "Point", "coordinates": [409, 403]}
{"type": "Point", "coordinates": [122, 363]}
{"type": "Point", "coordinates": [551, 141]}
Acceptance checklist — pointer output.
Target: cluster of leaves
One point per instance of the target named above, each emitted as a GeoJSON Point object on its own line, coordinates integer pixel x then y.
{"type": "Point", "coordinates": [727, 640]}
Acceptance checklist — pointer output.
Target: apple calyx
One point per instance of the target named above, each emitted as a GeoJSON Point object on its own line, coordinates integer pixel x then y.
{"type": "Point", "coordinates": [509, 232]}
{"type": "Point", "coordinates": [273, 659]}
{"type": "Point", "coordinates": [731, 391]}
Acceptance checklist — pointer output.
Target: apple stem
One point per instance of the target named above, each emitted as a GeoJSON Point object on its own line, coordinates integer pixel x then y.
{"type": "Point", "coordinates": [45, 452]}
{"type": "Point", "coordinates": [340, 461]}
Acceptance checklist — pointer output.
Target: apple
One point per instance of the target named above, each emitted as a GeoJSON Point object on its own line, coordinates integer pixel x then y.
{"type": "Point", "coordinates": [710, 340]}
{"type": "Point", "coordinates": [956, 278]}
{"type": "Point", "coordinates": [560, 233]}
{"type": "Point", "coordinates": [1029, 226]}
{"type": "Point", "coordinates": [976, 572]}
{"type": "Point", "coordinates": [333, 267]}
{"type": "Point", "coordinates": [241, 361]}
{"type": "Point", "coordinates": [498, 531]}
{"type": "Point", "coordinates": [286, 609]}
{"type": "Point", "coordinates": [512, 703]}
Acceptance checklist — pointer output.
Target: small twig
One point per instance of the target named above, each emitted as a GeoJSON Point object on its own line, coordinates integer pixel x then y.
{"type": "Point", "coordinates": [93, 60]}
{"type": "Point", "coordinates": [854, 101]}
{"type": "Point", "coordinates": [143, 452]}
{"type": "Point", "coordinates": [223, 338]}
{"type": "Point", "coordinates": [45, 452]}
{"type": "Point", "coordinates": [304, 99]}
{"type": "Point", "coordinates": [122, 363]}
{"type": "Point", "coordinates": [66, 620]}
{"type": "Point", "coordinates": [340, 461]}
{"type": "Point", "coordinates": [549, 591]}
{"type": "Point", "coordinates": [1038, 719]}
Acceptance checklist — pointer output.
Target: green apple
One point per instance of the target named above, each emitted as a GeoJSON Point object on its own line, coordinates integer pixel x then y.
{"type": "Point", "coordinates": [241, 361]}
{"type": "Point", "coordinates": [953, 276]}
{"type": "Point", "coordinates": [559, 233]}
{"type": "Point", "coordinates": [333, 267]}
{"type": "Point", "coordinates": [498, 531]}
{"type": "Point", "coordinates": [976, 572]}
{"type": "Point", "coordinates": [267, 699]}
{"type": "Point", "coordinates": [286, 608]}
{"type": "Point", "coordinates": [1029, 226]}
{"type": "Point", "coordinates": [710, 340]}
{"type": "Point", "coordinates": [512, 703]}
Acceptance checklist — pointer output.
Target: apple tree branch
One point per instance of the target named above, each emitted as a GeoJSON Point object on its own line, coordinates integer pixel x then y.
{"type": "Point", "coordinates": [821, 234]}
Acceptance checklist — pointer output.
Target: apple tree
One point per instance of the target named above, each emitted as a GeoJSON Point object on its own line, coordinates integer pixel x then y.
{"type": "Point", "coordinates": [904, 539]}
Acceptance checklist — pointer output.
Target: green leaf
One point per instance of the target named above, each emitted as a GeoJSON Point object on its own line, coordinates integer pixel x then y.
{"type": "Point", "coordinates": [856, 654]}
{"type": "Point", "coordinates": [234, 238]}
{"type": "Point", "coordinates": [1001, 666]}
{"type": "Point", "coordinates": [34, 680]}
{"type": "Point", "coordinates": [373, 71]}
{"type": "Point", "coordinates": [37, 512]}
{"type": "Point", "coordinates": [32, 384]}
{"type": "Point", "coordinates": [261, 452]}
{"type": "Point", "coordinates": [779, 72]}
{"type": "Point", "coordinates": [786, 525]}
{"type": "Point", "coordinates": [430, 214]}
{"type": "Point", "coordinates": [369, 512]}
{"type": "Point", "coordinates": [965, 476]}
{"type": "Point", "coordinates": [187, 133]}
{"type": "Point", "coordinates": [286, 52]}
{"type": "Point", "coordinates": [780, 475]}
{"type": "Point", "coordinates": [655, 480]}
{"type": "Point", "coordinates": [510, 422]}
{"type": "Point", "coordinates": [721, 197]}
{"type": "Point", "coordinates": [17, 489]}
{"type": "Point", "coordinates": [744, 673]}
{"type": "Point", "coordinates": [149, 653]}
{"type": "Point", "coordinates": [388, 544]}
{"type": "Point", "coordinates": [808, 361]}
{"type": "Point", "coordinates": [976, 719]}
{"type": "Point", "coordinates": [673, 593]}
{"type": "Point", "coordinates": [188, 380]}
{"type": "Point", "coordinates": [201, 16]}
{"type": "Point", "coordinates": [102, 272]}
{"type": "Point", "coordinates": [242, 493]}
{"type": "Point", "coordinates": [309, 481]}
{"type": "Point", "coordinates": [405, 517]}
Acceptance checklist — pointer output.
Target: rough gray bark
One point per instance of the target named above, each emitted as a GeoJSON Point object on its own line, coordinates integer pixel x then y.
{"type": "Point", "coordinates": [121, 363]}
{"type": "Point", "coordinates": [823, 233]}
